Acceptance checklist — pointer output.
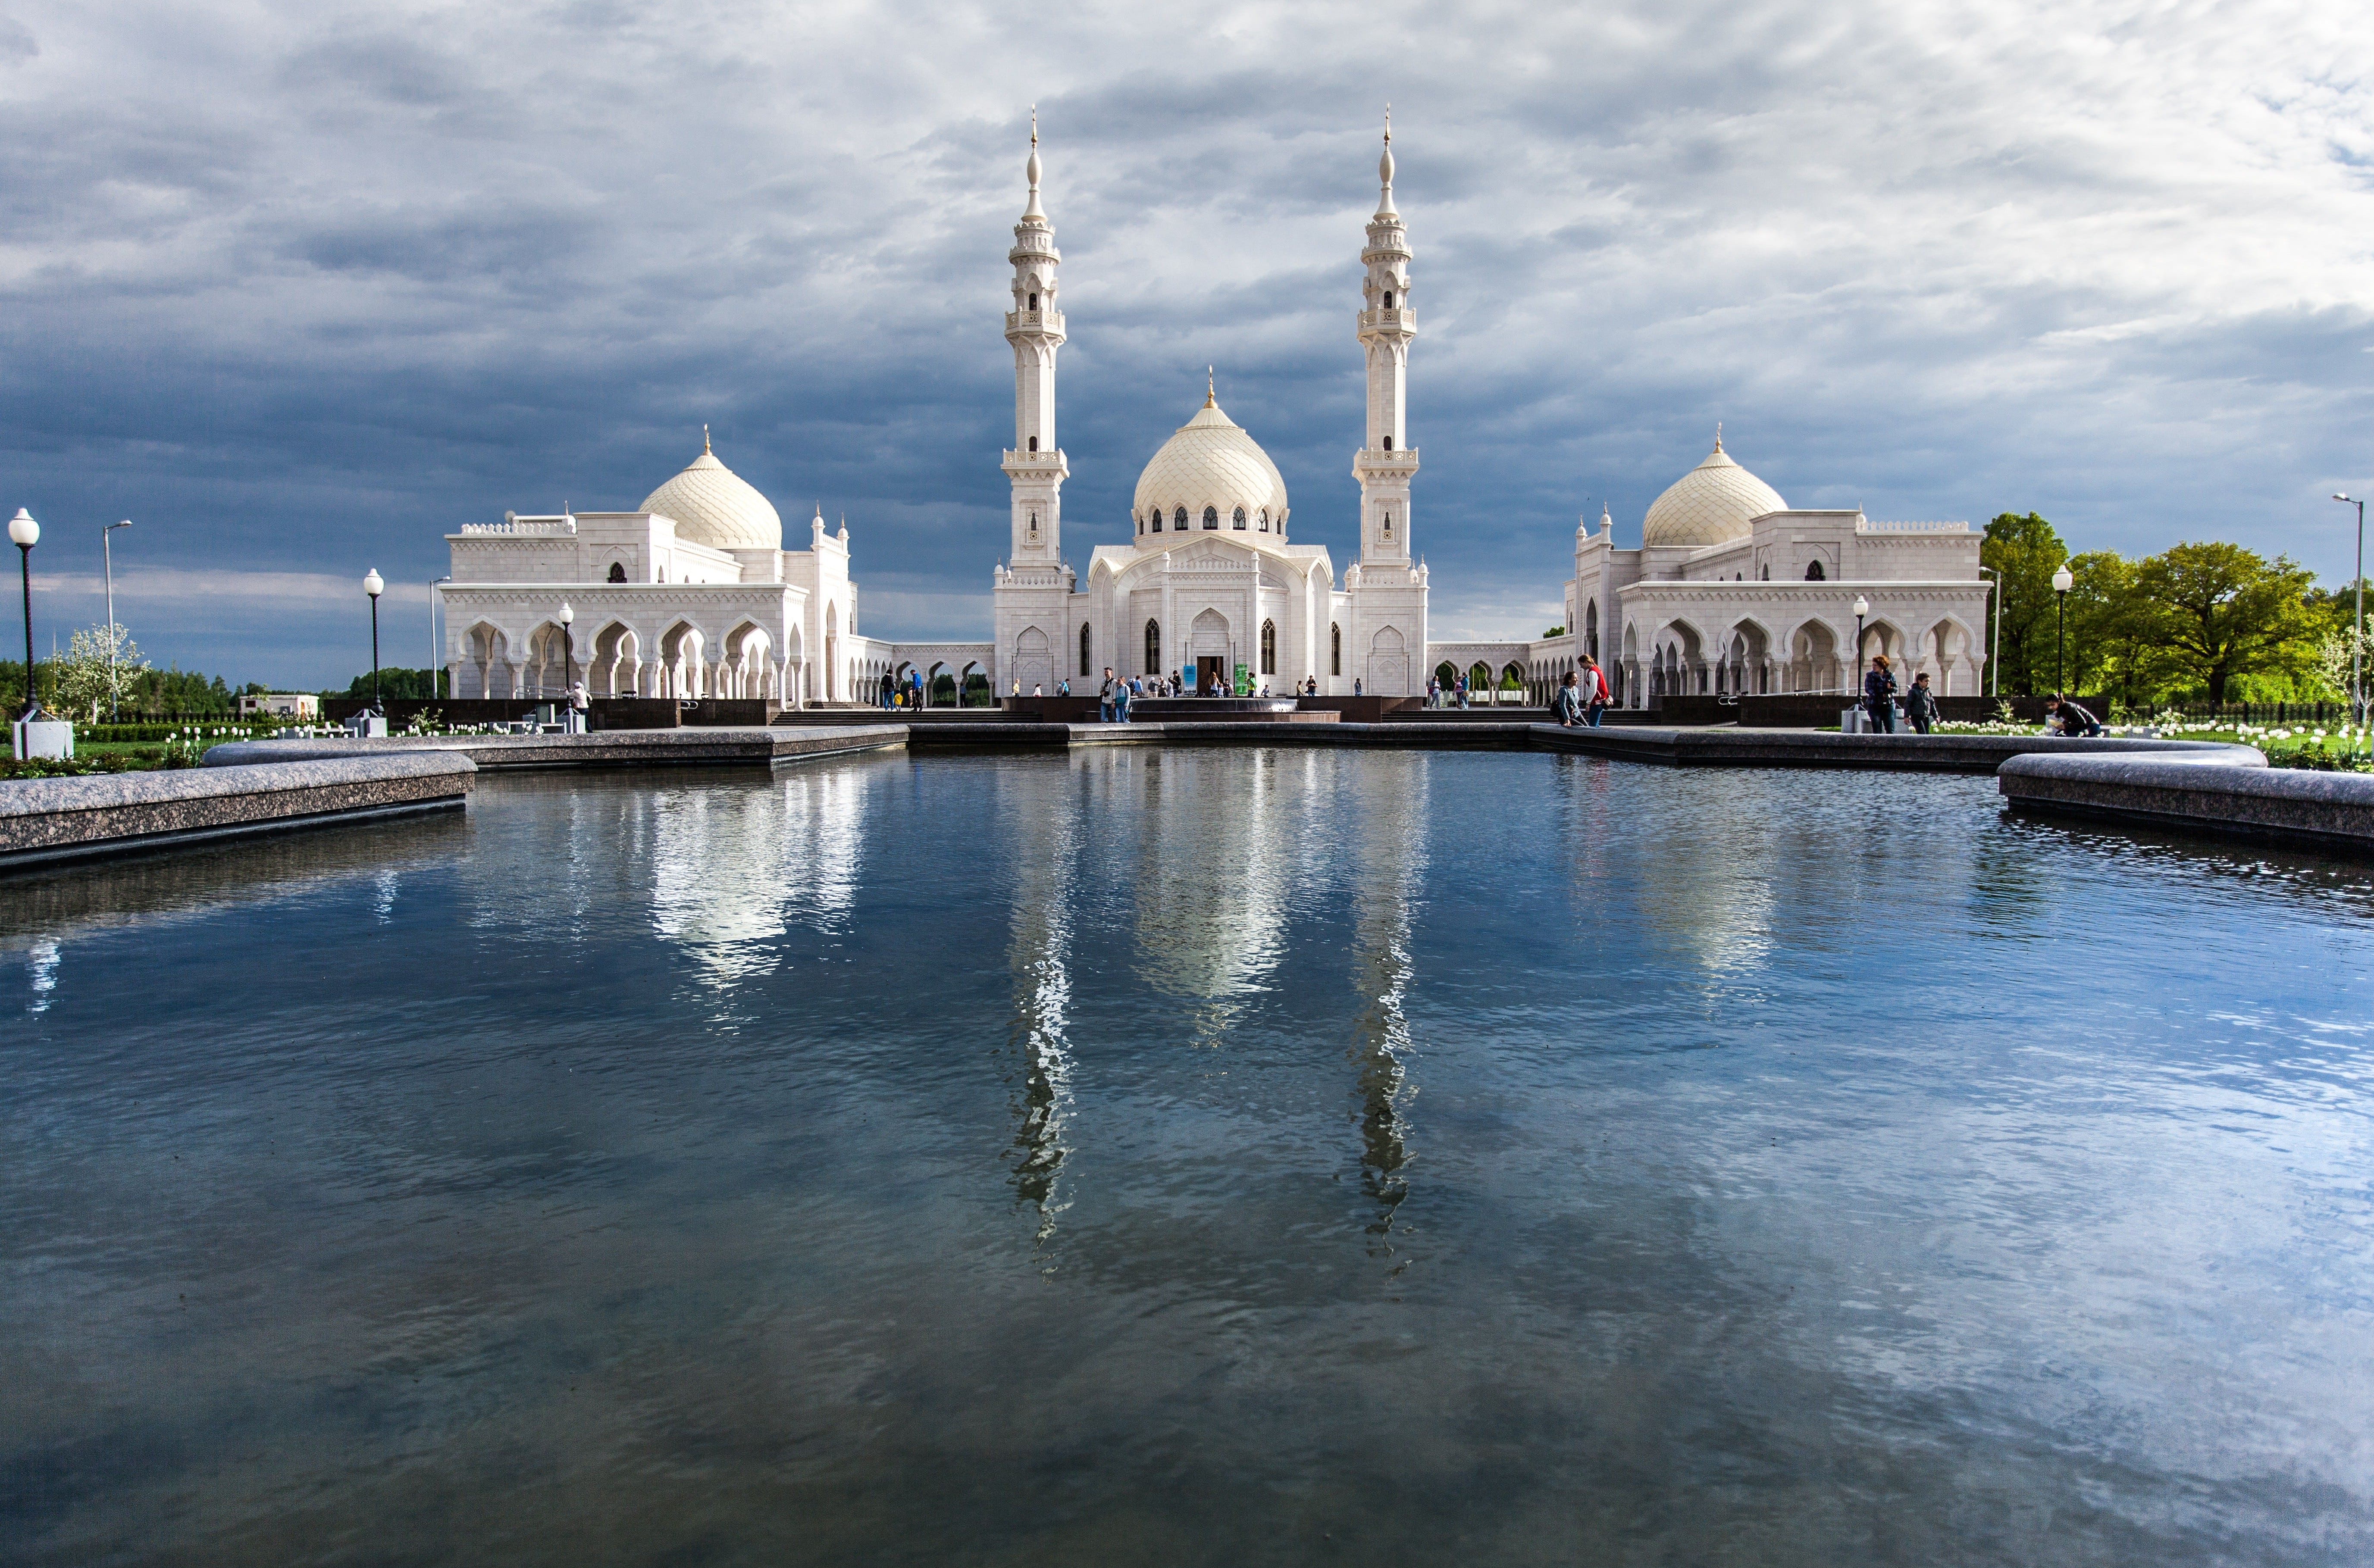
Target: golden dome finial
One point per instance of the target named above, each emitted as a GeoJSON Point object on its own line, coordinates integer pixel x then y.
{"type": "Point", "coordinates": [704, 438]}
{"type": "Point", "coordinates": [1718, 435]}
{"type": "Point", "coordinates": [1209, 398]}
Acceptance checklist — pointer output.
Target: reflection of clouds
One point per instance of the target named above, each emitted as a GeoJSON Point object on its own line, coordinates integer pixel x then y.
{"type": "Point", "coordinates": [733, 869]}
{"type": "Point", "coordinates": [1046, 852]}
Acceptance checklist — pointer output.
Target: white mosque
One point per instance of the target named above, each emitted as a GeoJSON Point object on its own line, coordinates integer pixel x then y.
{"type": "Point", "coordinates": [693, 595]}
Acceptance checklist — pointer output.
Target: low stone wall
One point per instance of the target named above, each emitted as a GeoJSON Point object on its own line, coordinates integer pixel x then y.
{"type": "Point", "coordinates": [2224, 795]}
{"type": "Point", "coordinates": [1736, 748]}
{"type": "Point", "coordinates": [43, 821]}
{"type": "Point", "coordinates": [608, 748]}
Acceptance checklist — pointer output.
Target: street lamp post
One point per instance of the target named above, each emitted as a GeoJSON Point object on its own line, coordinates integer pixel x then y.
{"type": "Point", "coordinates": [2357, 628]}
{"type": "Point", "coordinates": [375, 585]}
{"type": "Point", "coordinates": [24, 532]}
{"type": "Point", "coordinates": [2062, 583]}
{"type": "Point", "coordinates": [436, 643]}
{"type": "Point", "coordinates": [1854, 673]}
{"type": "Point", "coordinates": [1994, 649]}
{"type": "Point", "coordinates": [107, 556]}
{"type": "Point", "coordinates": [567, 654]}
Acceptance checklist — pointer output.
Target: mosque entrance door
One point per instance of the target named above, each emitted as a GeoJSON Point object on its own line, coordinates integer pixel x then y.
{"type": "Point", "coordinates": [1210, 678]}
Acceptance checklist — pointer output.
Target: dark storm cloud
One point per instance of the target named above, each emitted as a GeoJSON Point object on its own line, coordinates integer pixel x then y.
{"type": "Point", "coordinates": [302, 288]}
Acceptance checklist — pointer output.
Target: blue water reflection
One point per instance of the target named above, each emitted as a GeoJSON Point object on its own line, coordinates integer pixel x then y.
{"type": "Point", "coordinates": [1191, 1156]}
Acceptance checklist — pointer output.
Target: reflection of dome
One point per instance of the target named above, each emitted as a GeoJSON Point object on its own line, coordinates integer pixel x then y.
{"type": "Point", "coordinates": [1211, 463]}
{"type": "Point", "coordinates": [1711, 503]}
{"type": "Point", "coordinates": [713, 506]}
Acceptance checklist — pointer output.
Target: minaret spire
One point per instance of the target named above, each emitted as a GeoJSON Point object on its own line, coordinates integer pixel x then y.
{"type": "Point", "coordinates": [1385, 169]}
{"type": "Point", "coordinates": [1035, 327]}
{"type": "Point", "coordinates": [1032, 169]}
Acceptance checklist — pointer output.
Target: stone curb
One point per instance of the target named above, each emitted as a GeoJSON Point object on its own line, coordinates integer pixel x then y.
{"type": "Point", "coordinates": [2230, 795]}
{"type": "Point", "coordinates": [607, 748]}
{"type": "Point", "coordinates": [47, 820]}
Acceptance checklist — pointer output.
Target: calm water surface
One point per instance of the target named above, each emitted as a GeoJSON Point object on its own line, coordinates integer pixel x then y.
{"type": "Point", "coordinates": [1191, 1156]}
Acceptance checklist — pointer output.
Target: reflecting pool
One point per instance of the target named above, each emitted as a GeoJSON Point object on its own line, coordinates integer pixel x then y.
{"type": "Point", "coordinates": [1191, 1156]}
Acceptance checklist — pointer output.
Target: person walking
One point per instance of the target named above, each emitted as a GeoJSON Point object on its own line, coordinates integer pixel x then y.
{"type": "Point", "coordinates": [1107, 698]}
{"type": "Point", "coordinates": [579, 704]}
{"type": "Point", "coordinates": [1879, 696]}
{"type": "Point", "coordinates": [1595, 697]}
{"type": "Point", "coordinates": [1434, 691]}
{"type": "Point", "coordinates": [1355, 685]}
{"type": "Point", "coordinates": [1921, 704]}
{"type": "Point", "coordinates": [1461, 689]}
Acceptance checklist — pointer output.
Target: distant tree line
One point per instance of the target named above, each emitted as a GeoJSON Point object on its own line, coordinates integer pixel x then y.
{"type": "Point", "coordinates": [2208, 622]}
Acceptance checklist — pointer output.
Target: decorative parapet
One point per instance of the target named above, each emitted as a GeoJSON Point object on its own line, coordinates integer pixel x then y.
{"type": "Point", "coordinates": [1873, 525]}
{"type": "Point", "coordinates": [562, 527]}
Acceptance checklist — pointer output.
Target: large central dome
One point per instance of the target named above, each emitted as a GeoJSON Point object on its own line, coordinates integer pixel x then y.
{"type": "Point", "coordinates": [1210, 463]}
{"type": "Point", "coordinates": [1712, 504]}
{"type": "Point", "coordinates": [714, 506]}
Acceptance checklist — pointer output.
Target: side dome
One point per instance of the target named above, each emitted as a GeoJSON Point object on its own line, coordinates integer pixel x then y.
{"type": "Point", "coordinates": [1209, 462]}
{"type": "Point", "coordinates": [712, 504]}
{"type": "Point", "coordinates": [1712, 504]}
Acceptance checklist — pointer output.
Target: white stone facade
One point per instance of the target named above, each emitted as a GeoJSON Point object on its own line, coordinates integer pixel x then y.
{"type": "Point", "coordinates": [692, 595]}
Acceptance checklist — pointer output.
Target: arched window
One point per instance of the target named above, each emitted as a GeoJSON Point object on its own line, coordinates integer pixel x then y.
{"type": "Point", "coordinates": [1815, 573]}
{"type": "Point", "coordinates": [1389, 443]}
{"type": "Point", "coordinates": [1179, 520]}
{"type": "Point", "coordinates": [1389, 299]}
{"type": "Point", "coordinates": [1211, 517]}
{"type": "Point", "coordinates": [617, 571]}
{"type": "Point", "coordinates": [1335, 650]}
{"type": "Point", "coordinates": [1084, 647]}
{"type": "Point", "coordinates": [1237, 520]}
{"type": "Point", "coordinates": [1141, 526]}
{"type": "Point", "coordinates": [1153, 648]}
{"type": "Point", "coordinates": [1268, 644]}
{"type": "Point", "coordinates": [1034, 525]}
{"type": "Point", "coordinates": [1389, 521]}
{"type": "Point", "coordinates": [1034, 443]}
{"type": "Point", "coordinates": [1034, 301]}
{"type": "Point", "coordinates": [1264, 520]}
{"type": "Point", "coordinates": [1156, 515]}
{"type": "Point", "coordinates": [1765, 575]}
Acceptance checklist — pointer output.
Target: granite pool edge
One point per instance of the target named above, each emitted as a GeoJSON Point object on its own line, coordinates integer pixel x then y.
{"type": "Point", "coordinates": [46, 821]}
{"type": "Point", "coordinates": [2227, 798]}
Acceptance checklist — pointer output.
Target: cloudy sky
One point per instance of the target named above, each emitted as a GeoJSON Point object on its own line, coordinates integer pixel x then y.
{"type": "Point", "coordinates": [300, 287]}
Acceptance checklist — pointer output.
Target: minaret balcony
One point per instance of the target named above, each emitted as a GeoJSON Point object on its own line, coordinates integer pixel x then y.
{"type": "Point", "coordinates": [1040, 464]}
{"type": "Point", "coordinates": [1400, 321]}
{"type": "Point", "coordinates": [1374, 463]}
{"type": "Point", "coordinates": [1024, 323]}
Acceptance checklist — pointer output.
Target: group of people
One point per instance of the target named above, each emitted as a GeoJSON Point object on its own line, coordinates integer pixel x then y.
{"type": "Point", "coordinates": [2061, 717]}
{"type": "Point", "coordinates": [1582, 696]}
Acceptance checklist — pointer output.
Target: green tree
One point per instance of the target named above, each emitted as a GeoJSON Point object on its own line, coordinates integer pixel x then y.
{"type": "Point", "coordinates": [2116, 641]}
{"type": "Point", "coordinates": [2224, 612]}
{"type": "Point", "coordinates": [2026, 551]}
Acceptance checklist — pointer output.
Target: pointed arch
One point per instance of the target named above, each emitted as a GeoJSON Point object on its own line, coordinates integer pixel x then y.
{"type": "Point", "coordinates": [1268, 639]}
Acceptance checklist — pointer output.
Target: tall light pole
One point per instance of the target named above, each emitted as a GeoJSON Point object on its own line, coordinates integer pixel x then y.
{"type": "Point", "coordinates": [24, 532]}
{"type": "Point", "coordinates": [106, 554]}
{"type": "Point", "coordinates": [436, 643]}
{"type": "Point", "coordinates": [2062, 583]}
{"type": "Point", "coordinates": [375, 585]}
{"type": "Point", "coordinates": [1994, 651]}
{"type": "Point", "coordinates": [568, 655]}
{"type": "Point", "coordinates": [2358, 630]}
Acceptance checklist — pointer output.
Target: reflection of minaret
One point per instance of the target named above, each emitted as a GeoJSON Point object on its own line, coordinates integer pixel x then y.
{"type": "Point", "coordinates": [1387, 858]}
{"type": "Point", "coordinates": [1041, 1076]}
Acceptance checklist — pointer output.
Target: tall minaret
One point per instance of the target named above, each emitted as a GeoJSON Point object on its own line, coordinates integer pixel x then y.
{"type": "Point", "coordinates": [1035, 328]}
{"type": "Point", "coordinates": [1385, 462]}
